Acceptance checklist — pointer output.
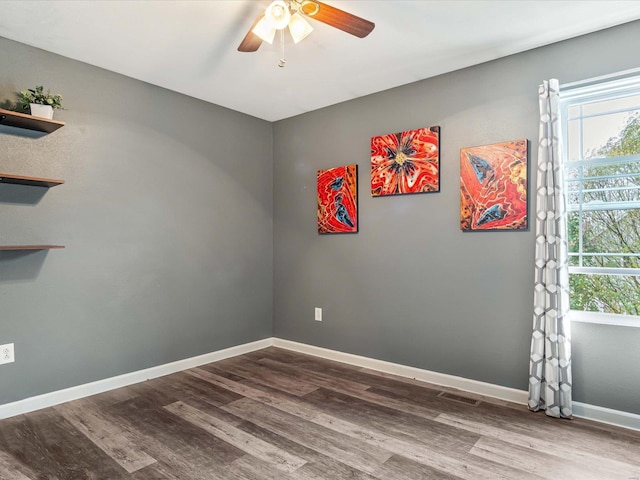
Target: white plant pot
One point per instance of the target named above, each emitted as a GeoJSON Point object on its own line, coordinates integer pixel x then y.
{"type": "Point", "coordinates": [43, 111]}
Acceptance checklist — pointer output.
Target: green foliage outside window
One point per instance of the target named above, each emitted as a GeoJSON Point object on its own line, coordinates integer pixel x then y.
{"type": "Point", "coordinates": [609, 231]}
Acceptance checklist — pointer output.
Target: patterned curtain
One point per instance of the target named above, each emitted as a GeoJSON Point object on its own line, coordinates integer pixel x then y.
{"type": "Point", "coordinates": [550, 364]}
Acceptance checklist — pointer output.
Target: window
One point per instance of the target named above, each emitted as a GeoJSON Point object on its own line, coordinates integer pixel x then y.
{"type": "Point", "coordinates": [601, 127]}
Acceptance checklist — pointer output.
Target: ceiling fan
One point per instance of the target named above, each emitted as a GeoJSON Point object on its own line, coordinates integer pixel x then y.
{"type": "Point", "coordinates": [291, 13]}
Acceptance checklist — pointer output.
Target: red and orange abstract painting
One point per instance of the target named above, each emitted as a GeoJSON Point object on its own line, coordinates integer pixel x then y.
{"type": "Point", "coordinates": [493, 186]}
{"type": "Point", "coordinates": [338, 200]}
{"type": "Point", "coordinates": [406, 162]}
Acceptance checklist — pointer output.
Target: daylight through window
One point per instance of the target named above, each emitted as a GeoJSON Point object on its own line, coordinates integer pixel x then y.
{"type": "Point", "coordinates": [601, 127]}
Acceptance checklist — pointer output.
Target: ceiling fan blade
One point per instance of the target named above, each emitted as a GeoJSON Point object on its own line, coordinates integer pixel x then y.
{"type": "Point", "coordinates": [251, 42]}
{"type": "Point", "coordinates": [341, 20]}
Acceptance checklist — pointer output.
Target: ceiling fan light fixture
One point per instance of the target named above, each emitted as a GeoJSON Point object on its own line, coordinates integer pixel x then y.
{"type": "Point", "coordinates": [299, 27]}
{"type": "Point", "coordinates": [282, 13]}
{"type": "Point", "coordinates": [265, 30]}
{"type": "Point", "coordinates": [278, 14]}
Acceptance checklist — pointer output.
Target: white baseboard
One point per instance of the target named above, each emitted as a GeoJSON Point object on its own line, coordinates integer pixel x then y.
{"type": "Point", "coordinates": [582, 410]}
{"type": "Point", "coordinates": [73, 393]}
{"type": "Point", "coordinates": [473, 386]}
{"type": "Point", "coordinates": [606, 415]}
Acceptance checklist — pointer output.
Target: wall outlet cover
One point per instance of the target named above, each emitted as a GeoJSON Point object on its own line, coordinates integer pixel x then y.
{"type": "Point", "coordinates": [7, 354]}
{"type": "Point", "coordinates": [318, 314]}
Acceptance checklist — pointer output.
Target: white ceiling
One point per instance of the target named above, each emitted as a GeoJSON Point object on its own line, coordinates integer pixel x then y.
{"type": "Point", "coordinates": [190, 46]}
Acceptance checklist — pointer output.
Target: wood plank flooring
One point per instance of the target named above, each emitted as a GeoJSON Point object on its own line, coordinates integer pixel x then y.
{"type": "Point", "coordinates": [276, 414]}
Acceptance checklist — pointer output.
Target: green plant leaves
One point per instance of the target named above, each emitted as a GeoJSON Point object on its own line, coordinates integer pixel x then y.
{"type": "Point", "coordinates": [37, 95]}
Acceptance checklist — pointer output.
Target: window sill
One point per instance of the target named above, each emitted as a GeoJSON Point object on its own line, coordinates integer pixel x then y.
{"type": "Point", "coordinates": [604, 318]}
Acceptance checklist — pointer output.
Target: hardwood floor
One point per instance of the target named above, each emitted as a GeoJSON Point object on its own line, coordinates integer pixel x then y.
{"type": "Point", "coordinates": [276, 414]}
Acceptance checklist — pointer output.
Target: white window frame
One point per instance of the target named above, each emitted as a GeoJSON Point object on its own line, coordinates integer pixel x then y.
{"type": "Point", "coordinates": [582, 93]}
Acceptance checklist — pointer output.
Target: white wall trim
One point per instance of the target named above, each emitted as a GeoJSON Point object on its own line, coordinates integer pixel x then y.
{"type": "Point", "coordinates": [73, 393]}
{"type": "Point", "coordinates": [607, 415]}
{"type": "Point", "coordinates": [468, 385]}
{"type": "Point", "coordinates": [582, 410]}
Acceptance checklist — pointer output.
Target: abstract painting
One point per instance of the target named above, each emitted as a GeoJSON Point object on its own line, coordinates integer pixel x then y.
{"type": "Point", "coordinates": [493, 186]}
{"type": "Point", "coordinates": [338, 200]}
{"type": "Point", "coordinates": [406, 162]}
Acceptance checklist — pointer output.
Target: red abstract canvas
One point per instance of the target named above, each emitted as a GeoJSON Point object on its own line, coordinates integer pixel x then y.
{"type": "Point", "coordinates": [406, 162]}
{"type": "Point", "coordinates": [493, 186]}
{"type": "Point", "coordinates": [338, 200]}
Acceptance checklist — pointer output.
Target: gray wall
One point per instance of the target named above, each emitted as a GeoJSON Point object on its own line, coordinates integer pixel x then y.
{"type": "Point", "coordinates": [166, 217]}
{"type": "Point", "coordinates": [411, 287]}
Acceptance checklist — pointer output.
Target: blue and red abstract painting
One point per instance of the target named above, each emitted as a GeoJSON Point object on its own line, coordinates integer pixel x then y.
{"type": "Point", "coordinates": [338, 200]}
{"type": "Point", "coordinates": [493, 186]}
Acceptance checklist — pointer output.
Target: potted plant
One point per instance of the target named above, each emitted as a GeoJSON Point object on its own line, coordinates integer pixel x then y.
{"type": "Point", "coordinates": [40, 104]}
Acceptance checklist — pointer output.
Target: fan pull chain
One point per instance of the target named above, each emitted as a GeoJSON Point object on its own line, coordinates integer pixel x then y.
{"type": "Point", "coordinates": [282, 61]}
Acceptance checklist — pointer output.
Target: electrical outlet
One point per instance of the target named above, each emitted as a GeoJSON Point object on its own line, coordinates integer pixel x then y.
{"type": "Point", "coordinates": [6, 354]}
{"type": "Point", "coordinates": [318, 316]}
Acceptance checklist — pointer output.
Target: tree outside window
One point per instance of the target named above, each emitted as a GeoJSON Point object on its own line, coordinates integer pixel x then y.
{"type": "Point", "coordinates": [603, 197]}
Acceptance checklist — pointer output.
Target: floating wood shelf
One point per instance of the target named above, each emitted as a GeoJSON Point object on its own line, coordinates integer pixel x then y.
{"type": "Point", "coordinates": [30, 181]}
{"type": "Point", "coordinates": [30, 122]}
{"type": "Point", "coordinates": [29, 247]}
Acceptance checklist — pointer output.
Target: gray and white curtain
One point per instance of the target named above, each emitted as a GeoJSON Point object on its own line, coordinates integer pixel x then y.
{"type": "Point", "coordinates": [550, 364]}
